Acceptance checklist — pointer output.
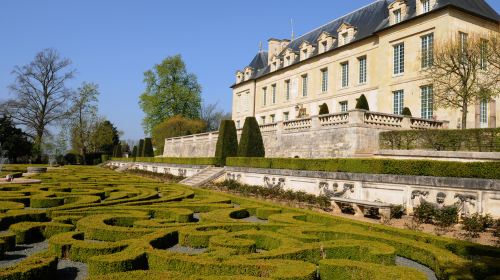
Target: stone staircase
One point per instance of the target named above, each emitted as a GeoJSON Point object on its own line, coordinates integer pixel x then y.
{"type": "Point", "coordinates": [206, 175]}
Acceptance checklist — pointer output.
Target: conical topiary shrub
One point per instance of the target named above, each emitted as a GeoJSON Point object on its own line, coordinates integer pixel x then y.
{"type": "Point", "coordinates": [362, 103]}
{"type": "Point", "coordinates": [140, 149]}
{"type": "Point", "coordinates": [119, 152]}
{"type": "Point", "coordinates": [148, 148]}
{"type": "Point", "coordinates": [227, 142]}
{"type": "Point", "coordinates": [251, 144]}
{"type": "Point", "coordinates": [406, 112]}
{"type": "Point", "coordinates": [114, 151]}
{"type": "Point", "coordinates": [134, 151]}
{"type": "Point", "coordinates": [323, 109]}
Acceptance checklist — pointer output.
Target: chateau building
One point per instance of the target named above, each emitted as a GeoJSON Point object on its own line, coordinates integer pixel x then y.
{"type": "Point", "coordinates": [380, 50]}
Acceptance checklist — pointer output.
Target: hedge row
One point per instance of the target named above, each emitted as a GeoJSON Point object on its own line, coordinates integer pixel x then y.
{"type": "Point", "coordinates": [190, 161]}
{"type": "Point", "coordinates": [482, 140]}
{"type": "Point", "coordinates": [485, 170]}
{"type": "Point", "coordinates": [349, 269]}
{"type": "Point", "coordinates": [40, 267]}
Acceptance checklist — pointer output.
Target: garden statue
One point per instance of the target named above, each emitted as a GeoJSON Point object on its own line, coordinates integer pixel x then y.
{"type": "Point", "coordinates": [417, 197]}
{"type": "Point", "coordinates": [273, 184]}
{"type": "Point", "coordinates": [466, 203]}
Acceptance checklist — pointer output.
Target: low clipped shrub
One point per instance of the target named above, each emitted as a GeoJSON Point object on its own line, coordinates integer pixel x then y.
{"type": "Point", "coordinates": [41, 267]}
{"type": "Point", "coordinates": [397, 211]}
{"type": "Point", "coordinates": [445, 218]}
{"type": "Point", "coordinates": [186, 161]}
{"type": "Point", "coordinates": [406, 112]}
{"type": "Point", "coordinates": [486, 170]}
{"type": "Point", "coordinates": [349, 269]}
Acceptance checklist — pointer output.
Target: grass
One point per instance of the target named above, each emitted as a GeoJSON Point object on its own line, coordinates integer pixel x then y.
{"type": "Point", "coordinates": [122, 226]}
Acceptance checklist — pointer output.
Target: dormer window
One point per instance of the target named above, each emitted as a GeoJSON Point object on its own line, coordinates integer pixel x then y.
{"type": "Point", "coordinates": [397, 11]}
{"type": "Point", "coordinates": [289, 57]}
{"type": "Point", "coordinates": [325, 42]}
{"type": "Point", "coordinates": [248, 73]}
{"type": "Point", "coordinates": [304, 54]}
{"type": "Point", "coordinates": [397, 16]}
{"type": "Point", "coordinates": [305, 50]}
{"type": "Point", "coordinates": [288, 61]}
{"type": "Point", "coordinates": [324, 46]}
{"type": "Point", "coordinates": [426, 6]}
{"type": "Point", "coordinates": [346, 33]}
{"type": "Point", "coordinates": [239, 77]}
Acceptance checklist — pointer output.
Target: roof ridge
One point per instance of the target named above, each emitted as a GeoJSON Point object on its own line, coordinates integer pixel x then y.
{"type": "Point", "coordinates": [357, 10]}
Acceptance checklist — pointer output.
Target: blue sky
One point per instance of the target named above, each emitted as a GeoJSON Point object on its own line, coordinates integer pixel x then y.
{"type": "Point", "coordinates": [113, 42]}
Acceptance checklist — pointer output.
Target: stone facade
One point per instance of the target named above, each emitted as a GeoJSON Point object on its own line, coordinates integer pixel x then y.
{"type": "Point", "coordinates": [349, 134]}
{"type": "Point", "coordinates": [293, 78]}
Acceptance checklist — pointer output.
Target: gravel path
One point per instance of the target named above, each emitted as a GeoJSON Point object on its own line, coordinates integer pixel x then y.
{"type": "Point", "coordinates": [409, 263]}
{"type": "Point", "coordinates": [186, 250]}
{"type": "Point", "coordinates": [254, 219]}
{"type": "Point", "coordinates": [69, 270]}
{"type": "Point", "coordinates": [22, 252]}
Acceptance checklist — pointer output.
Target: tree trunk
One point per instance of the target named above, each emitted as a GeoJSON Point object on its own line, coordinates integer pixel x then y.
{"type": "Point", "coordinates": [464, 115]}
{"type": "Point", "coordinates": [38, 146]}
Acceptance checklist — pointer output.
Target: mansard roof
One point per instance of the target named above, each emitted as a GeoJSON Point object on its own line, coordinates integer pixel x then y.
{"type": "Point", "coordinates": [369, 20]}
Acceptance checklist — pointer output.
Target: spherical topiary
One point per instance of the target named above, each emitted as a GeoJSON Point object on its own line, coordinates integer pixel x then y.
{"type": "Point", "coordinates": [251, 144]}
{"type": "Point", "coordinates": [227, 142]}
{"type": "Point", "coordinates": [406, 112]}
{"type": "Point", "coordinates": [148, 148]}
{"type": "Point", "coordinates": [140, 149]}
{"type": "Point", "coordinates": [323, 109]}
{"type": "Point", "coordinates": [362, 103]}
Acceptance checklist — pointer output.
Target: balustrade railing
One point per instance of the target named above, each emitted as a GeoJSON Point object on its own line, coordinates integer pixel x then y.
{"type": "Point", "coordinates": [334, 119]}
{"type": "Point", "coordinates": [383, 120]}
{"type": "Point", "coordinates": [298, 124]}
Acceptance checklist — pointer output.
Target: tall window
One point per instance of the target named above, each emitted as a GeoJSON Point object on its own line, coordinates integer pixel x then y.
{"type": "Point", "coordinates": [274, 93]}
{"type": "Point", "coordinates": [263, 120]}
{"type": "Point", "coordinates": [398, 101]}
{"type": "Point", "coordinates": [484, 55]}
{"type": "Point", "coordinates": [345, 74]}
{"type": "Point", "coordinates": [285, 116]}
{"type": "Point", "coordinates": [304, 85]}
{"type": "Point", "coordinates": [343, 106]}
{"type": "Point", "coordinates": [426, 98]}
{"type": "Point", "coordinates": [238, 124]}
{"type": "Point", "coordinates": [345, 37]}
{"type": "Point", "coordinates": [273, 118]}
{"type": "Point", "coordinates": [426, 6]}
{"type": "Point", "coordinates": [427, 50]}
{"type": "Point", "coordinates": [483, 113]}
{"type": "Point", "coordinates": [362, 69]}
{"type": "Point", "coordinates": [325, 45]}
{"type": "Point", "coordinates": [399, 59]}
{"type": "Point", "coordinates": [463, 45]}
{"type": "Point", "coordinates": [397, 16]}
{"type": "Point", "coordinates": [264, 96]}
{"type": "Point", "coordinates": [324, 80]}
{"type": "Point", "coordinates": [304, 54]}
{"type": "Point", "coordinates": [287, 89]}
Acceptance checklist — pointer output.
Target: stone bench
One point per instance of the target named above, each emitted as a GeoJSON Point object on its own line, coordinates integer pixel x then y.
{"type": "Point", "coordinates": [384, 209]}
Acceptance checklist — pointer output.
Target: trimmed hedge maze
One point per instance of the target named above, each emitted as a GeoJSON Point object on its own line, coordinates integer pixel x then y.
{"type": "Point", "coordinates": [127, 227]}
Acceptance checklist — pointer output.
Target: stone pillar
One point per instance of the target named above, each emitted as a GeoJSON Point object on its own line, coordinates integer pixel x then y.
{"type": "Point", "coordinates": [315, 125]}
{"type": "Point", "coordinates": [385, 213]}
{"type": "Point", "coordinates": [358, 210]}
{"type": "Point", "coordinates": [336, 207]}
{"type": "Point", "coordinates": [406, 123]}
{"type": "Point", "coordinates": [357, 117]}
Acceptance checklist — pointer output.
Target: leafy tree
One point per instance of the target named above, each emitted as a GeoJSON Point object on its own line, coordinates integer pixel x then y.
{"type": "Point", "coordinates": [213, 116]}
{"type": "Point", "coordinates": [174, 127]}
{"type": "Point", "coordinates": [140, 149]}
{"type": "Point", "coordinates": [14, 140]}
{"type": "Point", "coordinates": [362, 103]}
{"type": "Point", "coordinates": [323, 109]}
{"type": "Point", "coordinates": [105, 137]}
{"type": "Point", "coordinates": [148, 148]}
{"type": "Point", "coordinates": [41, 95]}
{"type": "Point", "coordinates": [84, 118]}
{"type": "Point", "coordinates": [227, 142]}
{"type": "Point", "coordinates": [459, 74]}
{"type": "Point", "coordinates": [251, 144]}
{"type": "Point", "coordinates": [170, 91]}
{"type": "Point", "coordinates": [406, 112]}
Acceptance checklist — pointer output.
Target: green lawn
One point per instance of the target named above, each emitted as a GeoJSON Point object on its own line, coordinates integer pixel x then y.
{"type": "Point", "coordinates": [137, 221]}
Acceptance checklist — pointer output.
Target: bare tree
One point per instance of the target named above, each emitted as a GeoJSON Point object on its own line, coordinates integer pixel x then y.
{"type": "Point", "coordinates": [84, 118]}
{"type": "Point", "coordinates": [41, 94]}
{"type": "Point", "coordinates": [212, 116]}
{"type": "Point", "coordinates": [460, 76]}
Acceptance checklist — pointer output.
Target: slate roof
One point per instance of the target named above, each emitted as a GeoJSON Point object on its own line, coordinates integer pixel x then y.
{"type": "Point", "coordinates": [369, 20]}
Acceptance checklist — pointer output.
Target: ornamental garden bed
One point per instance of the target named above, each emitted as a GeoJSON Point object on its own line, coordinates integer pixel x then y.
{"type": "Point", "coordinates": [137, 220]}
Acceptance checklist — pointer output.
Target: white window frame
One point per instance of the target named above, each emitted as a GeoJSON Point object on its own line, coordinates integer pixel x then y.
{"type": "Point", "coordinates": [324, 80]}
{"type": "Point", "coordinates": [427, 50]}
{"type": "Point", "coordinates": [287, 89]}
{"type": "Point", "coordinates": [398, 102]}
{"type": "Point", "coordinates": [399, 59]}
{"type": "Point", "coordinates": [344, 74]}
{"type": "Point", "coordinates": [426, 6]}
{"type": "Point", "coordinates": [344, 106]}
{"type": "Point", "coordinates": [264, 96]}
{"type": "Point", "coordinates": [273, 118]}
{"type": "Point", "coordinates": [286, 116]}
{"type": "Point", "coordinates": [398, 16]}
{"type": "Point", "coordinates": [483, 113]}
{"type": "Point", "coordinates": [426, 102]}
{"type": "Point", "coordinates": [274, 93]}
{"type": "Point", "coordinates": [305, 81]}
{"type": "Point", "coordinates": [363, 71]}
